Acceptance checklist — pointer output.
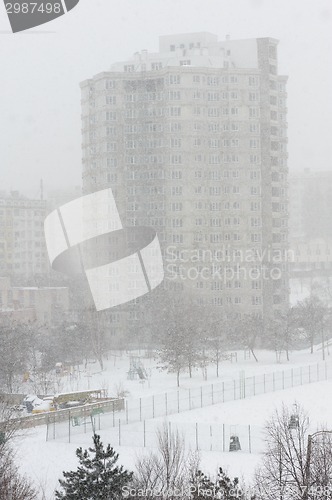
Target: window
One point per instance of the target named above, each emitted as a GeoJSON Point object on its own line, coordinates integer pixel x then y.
{"type": "Point", "coordinates": [156, 66]}
{"type": "Point", "coordinates": [212, 80]}
{"type": "Point", "coordinates": [213, 96]}
{"type": "Point", "coordinates": [253, 96]}
{"type": "Point", "coordinates": [255, 175]}
{"type": "Point", "coordinates": [176, 207]}
{"type": "Point", "coordinates": [176, 159]}
{"type": "Point", "coordinates": [254, 143]}
{"type": "Point", "coordinates": [253, 112]}
{"type": "Point", "coordinates": [174, 79]}
{"type": "Point", "coordinates": [175, 127]}
{"type": "Point", "coordinates": [175, 142]}
{"type": "Point", "coordinates": [175, 111]}
{"type": "Point", "coordinates": [110, 116]}
{"type": "Point", "coordinates": [176, 190]}
{"type": "Point", "coordinates": [110, 84]}
{"type": "Point", "coordinates": [213, 112]}
{"type": "Point", "coordinates": [111, 99]}
{"type": "Point", "coordinates": [255, 191]}
{"type": "Point", "coordinates": [253, 81]}
{"type": "Point", "coordinates": [174, 95]}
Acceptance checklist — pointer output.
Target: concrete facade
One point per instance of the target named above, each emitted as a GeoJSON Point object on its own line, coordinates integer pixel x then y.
{"type": "Point", "coordinates": [193, 141]}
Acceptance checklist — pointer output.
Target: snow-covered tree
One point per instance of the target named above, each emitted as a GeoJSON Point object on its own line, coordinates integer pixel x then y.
{"type": "Point", "coordinates": [203, 487]}
{"type": "Point", "coordinates": [97, 476]}
{"type": "Point", "coordinates": [311, 314]}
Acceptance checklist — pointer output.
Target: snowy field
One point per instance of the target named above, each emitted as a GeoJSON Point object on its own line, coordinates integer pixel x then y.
{"type": "Point", "coordinates": [44, 461]}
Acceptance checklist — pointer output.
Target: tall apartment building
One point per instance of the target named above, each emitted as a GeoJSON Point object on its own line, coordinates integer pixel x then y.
{"type": "Point", "coordinates": [193, 141]}
{"type": "Point", "coordinates": [22, 243]}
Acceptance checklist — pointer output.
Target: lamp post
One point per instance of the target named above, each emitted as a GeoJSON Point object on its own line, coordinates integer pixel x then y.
{"type": "Point", "coordinates": [309, 450]}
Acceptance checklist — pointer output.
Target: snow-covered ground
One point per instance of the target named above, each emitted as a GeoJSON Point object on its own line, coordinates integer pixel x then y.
{"type": "Point", "coordinates": [45, 461]}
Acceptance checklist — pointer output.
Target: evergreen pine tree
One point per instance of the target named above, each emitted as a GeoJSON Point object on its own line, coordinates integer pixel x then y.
{"type": "Point", "coordinates": [97, 476]}
{"type": "Point", "coordinates": [223, 487]}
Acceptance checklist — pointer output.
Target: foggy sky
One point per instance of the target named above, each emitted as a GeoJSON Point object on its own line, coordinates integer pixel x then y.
{"type": "Point", "coordinates": [41, 69]}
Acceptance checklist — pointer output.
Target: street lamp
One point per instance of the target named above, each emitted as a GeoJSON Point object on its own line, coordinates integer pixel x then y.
{"type": "Point", "coordinates": [309, 450]}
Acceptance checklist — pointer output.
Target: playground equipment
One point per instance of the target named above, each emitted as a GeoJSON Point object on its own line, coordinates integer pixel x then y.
{"type": "Point", "coordinates": [136, 369]}
{"type": "Point", "coordinates": [234, 444]}
{"type": "Point", "coordinates": [76, 421]}
{"type": "Point", "coordinates": [294, 421]}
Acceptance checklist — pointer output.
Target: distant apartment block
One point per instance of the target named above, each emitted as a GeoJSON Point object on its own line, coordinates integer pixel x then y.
{"type": "Point", "coordinates": [310, 223]}
{"type": "Point", "coordinates": [193, 141]}
{"type": "Point", "coordinates": [22, 242]}
{"type": "Point", "coordinates": [310, 205]}
{"type": "Point", "coordinates": [32, 304]}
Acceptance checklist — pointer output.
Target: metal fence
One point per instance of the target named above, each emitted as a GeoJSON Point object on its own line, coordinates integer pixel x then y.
{"type": "Point", "coordinates": [196, 435]}
{"type": "Point", "coordinates": [143, 409]}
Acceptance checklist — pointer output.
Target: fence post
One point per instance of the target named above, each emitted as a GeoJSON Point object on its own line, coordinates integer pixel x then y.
{"type": "Point", "coordinates": [223, 437]}
{"type": "Point", "coordinates": [166, 408]}
{"type": "Point", "coordinates": [69, 426]}
{"type": "Point", "coordinates": [113, 414]}
{"type": "Point", "coordinates": [119, 432]}
{"type": "Point", "coordinates": [196, 436]}
{"type": "Point", "coordinates": [144, 438]}
{"type": "Point", "coordinates": [211, 440]}
{"type": "Point", "coordinates": [249, 431]}
{"type": "Point", "coordinates": [212, 396]}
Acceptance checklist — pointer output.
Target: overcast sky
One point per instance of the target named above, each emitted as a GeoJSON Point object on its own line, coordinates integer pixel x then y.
{"type": "Point", "coordinates": [41, 70]}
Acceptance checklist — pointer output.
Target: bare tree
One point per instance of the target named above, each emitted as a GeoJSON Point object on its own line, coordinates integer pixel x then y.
{"type": "Point", "coordinates": [280, 333]}
{"type": "Point", "coordinates": [168, 471]}
{"type": "Point", "coordinates": [310, 314]}
{"type": "Point", "coordinates": [247, 331]}
{"type": "Point", "coordinates": [13, 486]}
{"type": "Point", "coordinates": [288, 471]}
